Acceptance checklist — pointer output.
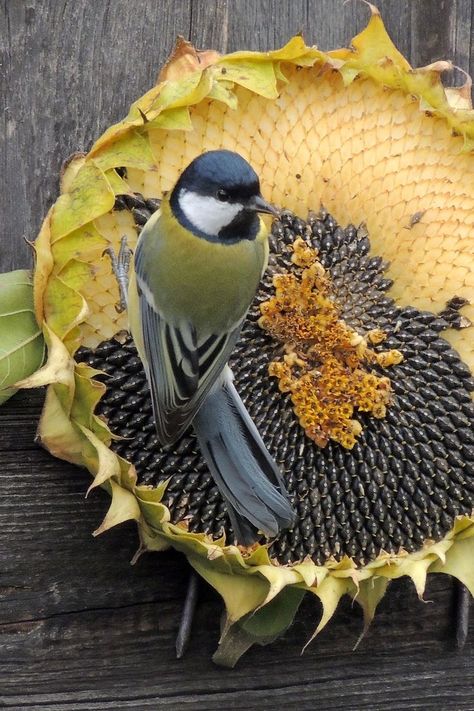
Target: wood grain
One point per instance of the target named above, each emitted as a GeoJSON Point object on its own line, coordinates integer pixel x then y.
{"type": "Point", "coordinates": [79, 627]}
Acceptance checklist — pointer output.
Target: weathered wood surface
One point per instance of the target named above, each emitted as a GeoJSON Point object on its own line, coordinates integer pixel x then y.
{"type": "Point", "coordinates": [80, 628]}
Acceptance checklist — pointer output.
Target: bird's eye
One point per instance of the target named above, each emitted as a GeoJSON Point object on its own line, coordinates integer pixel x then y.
{"type": "Point", "coordinates": [222, 195]}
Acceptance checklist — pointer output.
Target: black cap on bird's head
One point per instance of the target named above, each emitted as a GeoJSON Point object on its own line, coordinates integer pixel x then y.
{"type": "Point", "coordinates": [218, 197]}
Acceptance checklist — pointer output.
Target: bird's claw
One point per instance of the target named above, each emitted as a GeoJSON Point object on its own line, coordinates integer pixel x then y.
{"type": "Point", "coordinates": [120, 268]}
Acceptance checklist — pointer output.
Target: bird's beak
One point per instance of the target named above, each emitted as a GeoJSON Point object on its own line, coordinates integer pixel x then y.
{"type": "Point", "coordinates": [258, 204]}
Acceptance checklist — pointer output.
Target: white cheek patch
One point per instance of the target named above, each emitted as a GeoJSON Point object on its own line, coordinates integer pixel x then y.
{"type": "Point", "coordinates": [206, 213]}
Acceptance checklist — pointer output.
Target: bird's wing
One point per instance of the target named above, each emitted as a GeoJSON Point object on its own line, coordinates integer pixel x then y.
{"type": "Point", "coordinates": [180, 366]}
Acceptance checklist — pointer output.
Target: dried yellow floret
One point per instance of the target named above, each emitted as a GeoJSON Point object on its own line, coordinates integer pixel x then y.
{"type": "Point", "coordinates": [325, 366]}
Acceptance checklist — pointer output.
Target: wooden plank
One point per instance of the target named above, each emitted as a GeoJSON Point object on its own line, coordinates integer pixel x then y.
{"type": "Point", "coordinates": [445, 28]}
{"type": "Point", "coordinates": [85, 630]}
{"type": "Point", "coordinates": [79, 627]}
{"type": "Point", "coordinates": [209, 26]}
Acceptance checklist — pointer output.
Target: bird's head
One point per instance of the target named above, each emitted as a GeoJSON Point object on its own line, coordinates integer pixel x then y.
{"type": "Point", "coordinates": [218, 197]}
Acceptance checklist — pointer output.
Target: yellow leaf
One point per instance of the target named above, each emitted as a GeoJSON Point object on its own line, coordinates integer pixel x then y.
{"type": "Point", "coordinates": [85, 244]}
{"type": "Point", "coordinates": [241, 593]}
{"type": "Point", "coordinates": [368, 596]}
{"type": "Point", "coordinates": [177, 119]}
{"type": "Point", "coordinates": [185, 59]}
{"type": "Point", "coordinates": [257, 77]}
{"type": "Point", "coordinates": [330, 592]}
{"type": "Point", "coordinates": [74, 307]}
{"type": "Point", "coordinates": [458, 562]}
{"type": "Point", "coordinates": [107, 466]}
{"type": "Point", "coordinates": [56, 431]}
{"type": "Point", "coordinates": [131, 150]}
{"type": "Point", "coordinates": [89, 196]}
{"type": "Point", "coordinates": [70, 169]}
{"type": "Point", "coordinates": [43, 268]}
{"type": "Point", "coordinates": [185, 92]}
{"type": "Point", "coordinates": [372, 46]}
{"type": "Point", "coordinates": [88, 394]}
{"type": "Point", "coordinates": [59, 368]}
{"type": "Point", "coordinates": [118, 184]}
{"type": "Point", "coordinates": [222, 91]}
{"type": "Point", "coordinates": [124, 507]}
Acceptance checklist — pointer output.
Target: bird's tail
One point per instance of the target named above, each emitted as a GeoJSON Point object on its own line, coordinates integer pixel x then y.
{"type": "Point", "coordinates": [245, 473]}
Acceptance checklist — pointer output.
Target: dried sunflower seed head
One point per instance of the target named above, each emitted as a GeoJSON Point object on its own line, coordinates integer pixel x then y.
{"type": "Point", "coordinates": [408, 472]}
{"type": "Point", "coordinates": [347, 128]}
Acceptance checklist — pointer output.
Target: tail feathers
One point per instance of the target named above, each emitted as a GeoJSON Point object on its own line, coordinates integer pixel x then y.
{"type": "Point", "coordinates": [243, 470]}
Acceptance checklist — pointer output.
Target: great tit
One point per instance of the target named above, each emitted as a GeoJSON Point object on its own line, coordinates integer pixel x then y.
{"type": "Point", "coordinates": [198, 263]}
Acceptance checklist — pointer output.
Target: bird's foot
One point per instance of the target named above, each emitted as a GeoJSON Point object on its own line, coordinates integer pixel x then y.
{"type": "Point", "coordinates": [187, 615]}
{"type": "Point", "coordinates": [462, 600]}
{"type": "Point", "coordinates": [120, 268]}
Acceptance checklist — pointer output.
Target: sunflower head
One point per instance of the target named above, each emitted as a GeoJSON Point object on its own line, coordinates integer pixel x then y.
{"type": "Point", "coordinates": [355, 361]}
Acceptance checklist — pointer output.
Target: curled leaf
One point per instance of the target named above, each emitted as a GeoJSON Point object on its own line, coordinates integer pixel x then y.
{"type": "Point", "coordinates": [21, 340]}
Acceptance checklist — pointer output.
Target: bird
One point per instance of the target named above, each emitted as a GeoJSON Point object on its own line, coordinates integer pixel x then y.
{"type": "Point", "coordinates": [197, 266]}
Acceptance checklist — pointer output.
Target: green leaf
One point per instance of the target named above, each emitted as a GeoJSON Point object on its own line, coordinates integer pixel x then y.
{"type": "Point", "coordinates": [21, 340]}
{"type": "Point", "coordinates": [261, 627]}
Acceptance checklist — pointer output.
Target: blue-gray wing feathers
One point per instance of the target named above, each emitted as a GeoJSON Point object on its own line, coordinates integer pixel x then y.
{"type": "Point", "coordinates": [181, 366]}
